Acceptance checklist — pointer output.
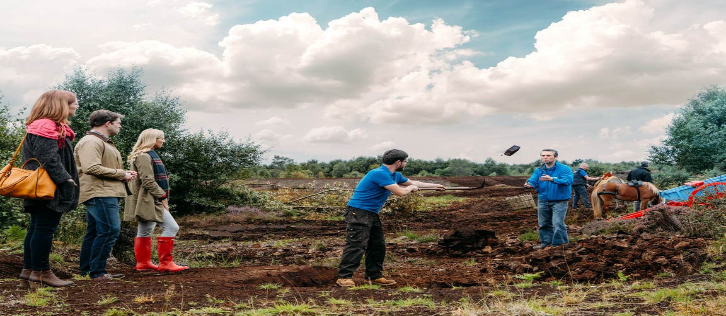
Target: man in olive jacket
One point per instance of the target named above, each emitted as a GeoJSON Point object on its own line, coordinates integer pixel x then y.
{"type": "Point", "coordinates": [103, 181]}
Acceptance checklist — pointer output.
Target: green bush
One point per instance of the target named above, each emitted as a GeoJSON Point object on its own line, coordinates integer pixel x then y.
{"type": "Point", "coordinates": [72, 226]}
{"type": "Point", "coordinates": [666, 177]}
{"type": "Point", "coordinates": [699, 221]}
{"type": "Point", "coordinates": [401, 205]}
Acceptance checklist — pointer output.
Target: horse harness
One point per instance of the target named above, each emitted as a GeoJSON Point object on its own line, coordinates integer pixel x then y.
{"type": "Point", "coordinates": [632, 183]}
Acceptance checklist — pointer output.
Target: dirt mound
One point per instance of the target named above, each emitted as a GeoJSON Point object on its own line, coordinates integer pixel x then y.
{"type": "Point", "coordinates": [598, 258]}
{"type": "Point", "coordinates": [465, 240]}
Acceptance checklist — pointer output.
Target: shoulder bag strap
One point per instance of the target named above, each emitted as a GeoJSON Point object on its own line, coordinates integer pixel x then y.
{"type": "Point", "coordinates": [15, 155]}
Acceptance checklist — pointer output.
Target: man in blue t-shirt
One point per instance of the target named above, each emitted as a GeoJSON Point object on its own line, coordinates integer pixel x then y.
{"type": "Point", "coordinates": [364, 231]}
{"type": "Point", "coordinates": [554, 184]}
{"type": "Point", "coordinates": [579, 186]}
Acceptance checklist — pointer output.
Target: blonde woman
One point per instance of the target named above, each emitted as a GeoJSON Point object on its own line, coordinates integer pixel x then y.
{"type": "Point", "coordinates": [149, 204]}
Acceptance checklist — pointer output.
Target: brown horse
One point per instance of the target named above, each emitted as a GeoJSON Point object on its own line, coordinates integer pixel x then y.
{"type": "Point", "coordinates": [609, 189]}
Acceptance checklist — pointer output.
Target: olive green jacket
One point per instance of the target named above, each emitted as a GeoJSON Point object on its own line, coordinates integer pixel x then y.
{"type": "Point", "coordinates": [100, 169]}
{"type": "Point", "coordinates": [144, 204]}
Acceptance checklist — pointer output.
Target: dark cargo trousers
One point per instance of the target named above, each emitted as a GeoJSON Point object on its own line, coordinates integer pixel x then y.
{"type": "Point", "coordinates": [363, 236]}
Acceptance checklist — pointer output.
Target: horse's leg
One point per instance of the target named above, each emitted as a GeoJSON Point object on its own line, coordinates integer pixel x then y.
{"type": "Point", "coordinates": [607, 203]}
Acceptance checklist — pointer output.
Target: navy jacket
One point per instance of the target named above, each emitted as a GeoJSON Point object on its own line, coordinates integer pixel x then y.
{"type": "Point", "coordinates": [559, 189]}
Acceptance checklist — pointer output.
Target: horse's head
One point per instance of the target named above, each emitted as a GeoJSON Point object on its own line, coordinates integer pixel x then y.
{"type": "Point", "coordinates": [607, 175]}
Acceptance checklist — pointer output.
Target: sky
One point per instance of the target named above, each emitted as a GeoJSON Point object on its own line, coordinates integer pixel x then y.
{"type": "Point", "coordinates": [338, 79]}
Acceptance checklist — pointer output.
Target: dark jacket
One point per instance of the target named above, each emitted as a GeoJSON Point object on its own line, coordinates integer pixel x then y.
{"type": "Point", "coordinates": [640, 173]}
{"type": "Point", "coordinates": [61, 166]}
{"type": "Point", "coordinates": [577, 178]}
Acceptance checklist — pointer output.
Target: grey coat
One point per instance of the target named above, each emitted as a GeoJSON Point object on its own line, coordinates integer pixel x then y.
{"type": "Point", "coordinates": [143, 204]}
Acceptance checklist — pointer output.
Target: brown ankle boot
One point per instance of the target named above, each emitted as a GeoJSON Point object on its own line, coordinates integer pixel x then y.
{"type": "Point", "coordinates": [25, 274]}
{"type": "Point", "coordinates": [48, 278]}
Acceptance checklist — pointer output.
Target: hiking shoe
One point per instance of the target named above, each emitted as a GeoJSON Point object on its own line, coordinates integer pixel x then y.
{"type": "Point", "coordinates": [107, 276]}
{"type": "Point", "coordinates": [542, 246]}
{"type": "Point", "coordinates": [382, 281]}
{"type": "Point", "coordinates": [345, 283]}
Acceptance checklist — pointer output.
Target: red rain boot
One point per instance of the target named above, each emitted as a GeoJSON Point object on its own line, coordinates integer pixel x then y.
{"type": "Point", "coordinates": [164, 246]}
{"type": "Point", "coordinates": [142, 250]}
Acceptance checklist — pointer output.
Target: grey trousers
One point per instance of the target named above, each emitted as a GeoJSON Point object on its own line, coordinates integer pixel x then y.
{"type": "Point", "coordinates": [145, 229]}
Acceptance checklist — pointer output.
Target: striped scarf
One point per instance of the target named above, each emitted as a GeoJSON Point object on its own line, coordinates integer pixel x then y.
{"type": "Point", "coordinates": [159, 171]}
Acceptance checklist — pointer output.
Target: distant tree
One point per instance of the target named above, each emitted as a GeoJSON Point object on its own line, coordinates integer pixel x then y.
{"type": "Point", "coordinates": [340, 169]}
{"type": "Point", "coordinates": [696, 138]}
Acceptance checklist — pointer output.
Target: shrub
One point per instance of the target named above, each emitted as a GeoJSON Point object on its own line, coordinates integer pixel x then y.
{"type": "Point", "coordinates": [700, 221]}
{"type": "Point", "coordinates": [406, 204]}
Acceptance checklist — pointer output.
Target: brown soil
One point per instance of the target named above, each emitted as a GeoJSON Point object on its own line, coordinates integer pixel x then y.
{"type": "Point", "coordinates": [302, 254]}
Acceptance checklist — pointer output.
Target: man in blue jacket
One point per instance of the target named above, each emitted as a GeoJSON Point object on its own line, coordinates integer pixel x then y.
{"type": "Point", "coordinates": [364, 232]}
{"type": "Point", "coordinates": [554, 184]}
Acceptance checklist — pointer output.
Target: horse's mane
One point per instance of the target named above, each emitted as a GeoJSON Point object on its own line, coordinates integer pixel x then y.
{"type": "Point", "coordinates": [651, 187]}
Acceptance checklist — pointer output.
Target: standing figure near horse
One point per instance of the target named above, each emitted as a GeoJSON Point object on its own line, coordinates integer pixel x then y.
{"type": "Point", "coordinates": [553, 181]}
{"type": "Point", "coordinates": [579, 185]}
{"type": "Point", "coordinates": [641, 173]}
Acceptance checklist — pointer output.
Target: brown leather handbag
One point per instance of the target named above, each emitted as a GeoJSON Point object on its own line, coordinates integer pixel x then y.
{"type": "Point", "coordinates": [26, 184]}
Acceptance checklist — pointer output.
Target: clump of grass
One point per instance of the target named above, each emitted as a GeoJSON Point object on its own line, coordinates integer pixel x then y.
{"type": "Point", "coordinates": [420, 238]}
{"type": "Point", "coordinates": [291, 309]}
{"type": "Point", "coordinates": [529, 236]}
{"type": "Point", "coordinates": [40, 298]}
{"type": "Point", "coordinates": [270, 286]}
{"type": "Point", "coordinates": [470, 262]}
{"type": "Point", "coordinates": [416, 301]}
{"type": "Point", "coordinates": [107, 299]}
{"type": "Point", "coordinates": [365, 286]}
{"type": "Point", "coordinates": [437, 202]}
{"type": "Point", "coordinates": [143, 299]}
{"type": "Point", "coordinates": [409, 289]}
{"type": "Point", "coordinates": [117, 312]}
{"type": "Point", "coordinates": [336, 301]}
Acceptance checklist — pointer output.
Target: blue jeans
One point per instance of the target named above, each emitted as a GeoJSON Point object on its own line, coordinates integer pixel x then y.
{"type": "Point", "coordinates": [104, 225]}
{"type": "Point", "coordinates": [580, 193]}
{"type": "Point", "coordinates": [551, 219]}
{"type": "Point", "coordinates": [39, 238]}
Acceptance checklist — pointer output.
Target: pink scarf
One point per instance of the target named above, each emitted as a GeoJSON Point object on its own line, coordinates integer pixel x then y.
{"type": "Point", "coordinates": [49, 129]}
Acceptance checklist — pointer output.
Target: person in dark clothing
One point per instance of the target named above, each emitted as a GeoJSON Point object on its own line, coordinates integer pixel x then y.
{"type": "Point", "coordinates": [579, 186]}
{"type": "Point", "coordinates": [641, 173]}
{"type": "Point", "coordinates": [48, 140]}
{"type": "Point", "coordinates": [364, 231]}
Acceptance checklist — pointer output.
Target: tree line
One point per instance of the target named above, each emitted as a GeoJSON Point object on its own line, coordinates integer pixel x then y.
{"type": "Point", "coordinates": [204, 165]}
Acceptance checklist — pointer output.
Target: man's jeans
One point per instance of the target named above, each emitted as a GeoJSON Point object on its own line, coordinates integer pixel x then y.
{"type": "Point", "coordinates": [102, 232]}
{"type": "Point", "coordinates": [551, 219]}
{"type": "Point", "coordinates": [364, 235]}
{"type": "Point", "coordinates": [580, 193]}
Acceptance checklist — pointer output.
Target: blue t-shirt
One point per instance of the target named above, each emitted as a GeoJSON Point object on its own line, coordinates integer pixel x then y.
{"type": "Point", "coordinates": [370, 194]}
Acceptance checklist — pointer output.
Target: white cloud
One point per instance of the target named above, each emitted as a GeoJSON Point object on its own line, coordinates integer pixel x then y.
{"type": "Point", "coordinates": [273, 121]}
{"type": "Point", "coordinates": [270, 136]}
{"type": "Point", "coordinates": [614, 133]}
{"type": "Point", "coordinates": [200, 11]}
{"type": "Point", "coordinates": [658, 126]}
{"type": "Point", "coordinates": [383, 146]}
{"type": "Point", "coordinates": [334, 134]}
{"type": "Point", "coordinates": [26, 72]}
